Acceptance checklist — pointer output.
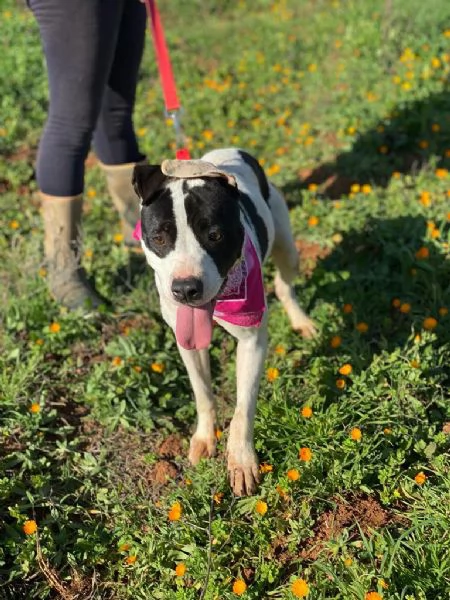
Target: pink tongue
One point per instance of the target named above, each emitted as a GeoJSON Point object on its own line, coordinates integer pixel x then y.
{"type": "Point", "coordinates": [194, 326]}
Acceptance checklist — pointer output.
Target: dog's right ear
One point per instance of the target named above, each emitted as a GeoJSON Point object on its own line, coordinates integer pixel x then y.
{"type": "Point", "coordinates": [147, 179]}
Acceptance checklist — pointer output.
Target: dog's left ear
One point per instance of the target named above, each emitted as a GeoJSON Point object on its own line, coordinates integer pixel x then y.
{"type": "Point", "coordinates": [147, 179]}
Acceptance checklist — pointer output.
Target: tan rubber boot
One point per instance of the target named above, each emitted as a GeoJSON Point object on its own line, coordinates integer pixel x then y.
{"type": "Point", "coordinates": [67, 280]}
{"type": "Point", "coordinates": [127, 203]}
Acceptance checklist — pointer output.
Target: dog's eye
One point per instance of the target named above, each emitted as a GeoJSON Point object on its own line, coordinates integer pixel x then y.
{"type": "Point", "coordinates": [215, 235]}
{"type": "Point", "coordinates": [159, 240]}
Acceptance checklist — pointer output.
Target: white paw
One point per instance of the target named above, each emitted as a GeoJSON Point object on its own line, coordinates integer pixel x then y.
{"type": "Point", "coordinates": [243, 472]}
{"type": "Point", "coordinates": [201, 447]}
{"type": "Point", "coordinates": [305, 327]}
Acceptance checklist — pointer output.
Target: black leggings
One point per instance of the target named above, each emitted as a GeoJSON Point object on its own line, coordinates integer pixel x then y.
{"type": "Point", "coordinates": [93, 49]}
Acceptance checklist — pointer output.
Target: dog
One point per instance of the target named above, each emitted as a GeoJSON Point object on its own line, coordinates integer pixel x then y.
{"type": "Point", "coordinates": [207, 226]}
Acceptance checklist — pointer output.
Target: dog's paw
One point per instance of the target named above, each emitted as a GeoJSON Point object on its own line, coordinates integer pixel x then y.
{"type": "Point", "coordinates": [306, 328]}
{"type": "Point", "coordinates": [201, 448]}
{"type": "Point", "coordinates": [243, 473]}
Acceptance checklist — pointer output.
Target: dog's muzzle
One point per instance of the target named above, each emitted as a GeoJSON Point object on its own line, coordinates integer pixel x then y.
{"type": "Point", "coordinates": [188, 290]}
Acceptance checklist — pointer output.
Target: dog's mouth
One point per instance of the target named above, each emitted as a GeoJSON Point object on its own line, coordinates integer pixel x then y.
{"type": "Point", "coordinates": [194, 325]}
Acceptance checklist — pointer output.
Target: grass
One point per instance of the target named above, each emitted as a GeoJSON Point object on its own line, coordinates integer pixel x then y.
{"type": "Point", "coordinates": [346, 104]}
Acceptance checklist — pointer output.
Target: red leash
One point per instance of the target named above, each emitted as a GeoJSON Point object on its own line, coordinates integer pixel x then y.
{"type": "Point", "coordinates": [168, 86]}
{"type": "Point", "coordinates": [166, 77]}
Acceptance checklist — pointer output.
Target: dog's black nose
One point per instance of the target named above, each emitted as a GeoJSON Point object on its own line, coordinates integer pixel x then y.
{"type": "Point", "coordinates": [187, 290]}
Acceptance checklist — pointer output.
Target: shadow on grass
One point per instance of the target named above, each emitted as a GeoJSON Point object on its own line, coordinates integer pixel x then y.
{"type": "Point", "coordinates": [415, 133]}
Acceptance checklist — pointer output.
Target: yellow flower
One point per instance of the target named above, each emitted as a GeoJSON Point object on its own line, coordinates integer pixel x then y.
{"type": "Point", "coordinates": [35, 408]}
{"type": "Point", "coordinates": [383, 584]}
{"type": "Point", "coordinates": [124, 547]}
{"type": "Point", "coordinates": [116, 361]}
{"type": "Point", "coordinates": [335, 341]}
{"type": "Point", "coordinates": [88, 253]}
{"type": "Point", "coordinates": [175, 512]}
{"type": "Point", "coordinates": [130, 560]}
{"type": "Point", "coordinates": [272, 374]}
{"type": "Point", "coordinates": [118, 238]}
{"type": "Point", "coordinates": [157, 367]}
{"type": "Point", "coordinates": [312, 187]}
{"type": "Point", "coordinates": [406, 85]}
{"type": "Point", "coordinates": [14, 224]}
{"type": "Point", "coordinates": [435, 127]}
{"type": "Point", "coordinates": [91, 193]}
{"type": "Point", "coordinates": [39, 342]}
{"type": "Point", "coordinates": [219, 434]}
{"type": "Point", "coordinates": [305, 454]}
{"type": "Point", "coordinates": [441, 173]}
{"type": "Point", "coordinates": [273, 170]}
{"type": "Point", "coordinates": [55, 327]}
{"type": "Point", "coordinates": [208, 134]}
{"type": "Point", "coordinates": [351, 130]}
{"type": "Point", "coordinates": [396, 174]}
{"type": "Point", "coordinates": [443, 311]}
{"type": "Point", "coordinates": [362, 327]}
{"type": "Point", "coordinates": [356, 434]}
{"type": "Point", "coordinates": [313, 221]}
{"type": "Point", "coordinates": [180, 569]}
{"type": "Point", "coordinates": [415, 364]}
{"type": "Point", "coordinates": [425, 198]}
{"type": "Point", "coordinates": [29, 527]}
{"type": "Point", "coordinates": [387, 431]}
{"type": "Point", "coordinates": [373, 596]}
{"type": "Point", "coordinates": [435, 62]}
{"type": "Point", "coordinates": [280, 349]}
{"type": "Point", "coordinates": [239, 587]}
{"type": "Point", "coordinates": [366, 188]}
{"type": "Point", "coordinates": [347, 308]}
{"type": "Point", "coordinates": [306, 412]}
{"type": "Point", "coordinates": [405, 308]}
{"type": "Point", "coordinates": [312, 68]}
{"type": "Point", "coordinates": [293, 474]}
{"type": "Point", "coordinates": [300, 588]}
{"type": "Point", "coordinates": [340, 384]}
{"type": "Point", "coordinates": [420, 478]}
{"type": "Point", "coordinates": [422, 253]}
{"type": "Point", "coordinates": [348, 562]}
{"type": "Point", "coordinates": [430, 323]}
{"type": "Point", "coordinates": [218, 497]}
{"type": "Point", "coordinates": [346, 369]}
{"type": "Point", "coordinates": [355, 188]}
{"type": "Point", "coordinates": [141, 131]}
{"type": "Point", "coordinates": [261, 507]}
{"type": "Point", "coordinates": [265, 468]}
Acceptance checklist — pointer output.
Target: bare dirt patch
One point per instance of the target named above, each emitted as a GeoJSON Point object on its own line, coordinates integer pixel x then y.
{"type": "Point", "coordinates": [310, 254]}
{"type": "Point", "coordinates": [361, 510]}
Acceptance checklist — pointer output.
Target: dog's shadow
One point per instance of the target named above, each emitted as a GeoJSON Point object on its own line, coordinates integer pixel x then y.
{"type": "Point", "coordinates": [393, 277]}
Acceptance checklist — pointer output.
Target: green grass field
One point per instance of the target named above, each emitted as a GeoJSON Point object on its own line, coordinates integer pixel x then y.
{"type": "Point", "coordinates": [346, 104]}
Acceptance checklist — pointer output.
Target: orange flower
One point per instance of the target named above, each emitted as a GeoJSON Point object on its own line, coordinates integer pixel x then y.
{"type": "Point", "coordinates": [373, 596]}
{"type": "Point", "coordinates": [157, 367]}
{"type": "Point", "coordinates": [55, 327]}
{"type": "Point", "coordinates": [396, 302]}
{"type": "Point", "coordinates": [425, 198]}
{"type": "Point", "coordinates": [305, 454]}
{"type": "Point", "coordinates": [387, 431]}
{"type": "Point", "coordinates": [218, 497]}
{"type": "Point", "coordinates": [261, 507]}
{"type": "Point", "coordinates": [35, 407]}
{"type": "Point", "coordinates": [282, 492]}
{"type": "Point", "coordinates": [420, 478]}
{"type": "Point", "coordinates": [422, 253]}
{"type": "Point", "coordinates": [443, 311]}
{"type": "Point", "coordinates": [312, 187]}
{"type": "Point", "coordinates": [175, 512]}
{"type": "Point", "coordinates": [362, 327]}
{"type": "Point", "coordinates": [441, 173]}
{"type": "Point", "coordinates": [239, 587]}
{"type": "Point", "coordinates": [116, 361]}
{"type": "Point", "coordinates": [383, 149]}
{"type": "Point", "coordinates": [219, 434]}
{"type": "Point", "coordinates": [293, 474]}
{"type": "Point", "coordinates": [430, 323]}
{"type": "Point", "coordinates": [415, 364]}
{"type": "Point", "coordinates": [180, 569]}
{"type": "Point", "coordinates": [313, 221]}
{"type": "Point", "coordinates": [346, 369]}
{"type": "Point", "coordinates": [340, 384]}
{"type": "Point", "coordinates": [124, 547]}
{"type": "Point", "coordinates": [347, 309]}
{"type": "Point", "coordinates": [272, 374]}
{"type": "Point", "coordinates": [91, 193]}
{"type": "Point", "coordinates": [14, 224]}
{"type": "Point", "coordinates": [265, 468]}
{"type": "Point", "coordinates": [356, 434]}
{"type": "Point", "coordinates": [300, 588]}
{"type": "Point", "coordinates": [130, 560]}
{"type": "Point", "coordinates": [424, 144]}
{"type": "Point", "coordinates": [366, 188]}
{"type": "Point", "coordinates": [306, 412]}
{"type": "Point", "coordinates": [335, 341]}
{"type": "Point", "coordinates": [137, 368]}
{"type": "Point", "coordinates": [280, 349]}
{"type": "Point", "coordinates": [29, 527]}
{"type": "Point", "coordinates": [405, 308]}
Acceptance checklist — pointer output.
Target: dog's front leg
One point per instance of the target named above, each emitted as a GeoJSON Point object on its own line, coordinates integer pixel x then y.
{"type": "Point", "coordinates": [203, 442]}
{"type": "Point", "coordinates": [243, 466]}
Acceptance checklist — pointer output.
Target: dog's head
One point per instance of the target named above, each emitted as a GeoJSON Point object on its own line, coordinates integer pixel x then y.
{"type": "Point", "coordinates": [191, 229]}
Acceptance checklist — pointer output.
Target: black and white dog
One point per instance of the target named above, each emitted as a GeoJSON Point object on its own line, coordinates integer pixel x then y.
{"type": "Point", "coordinates": [206, 227]}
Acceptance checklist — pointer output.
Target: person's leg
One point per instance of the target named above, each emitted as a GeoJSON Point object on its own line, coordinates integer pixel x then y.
{"type": "Point", "coordinates": [79, 40]}
{"type": "Point", "coordinates": [114, 139]}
